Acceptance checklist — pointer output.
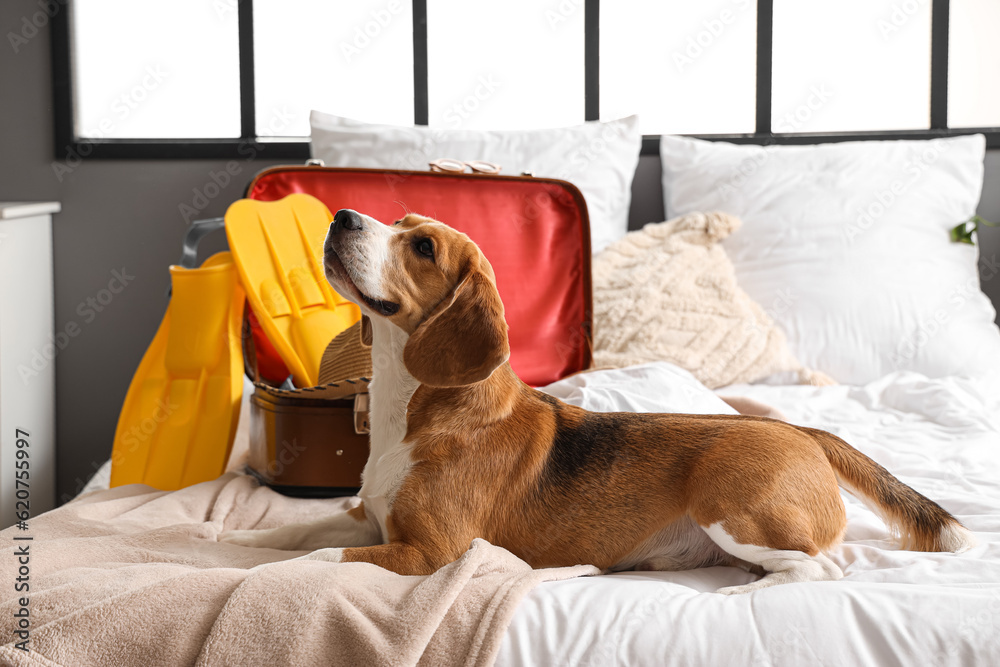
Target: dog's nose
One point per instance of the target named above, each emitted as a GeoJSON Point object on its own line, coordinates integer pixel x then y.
{"type": "Point", "coordinates": [345, 218]}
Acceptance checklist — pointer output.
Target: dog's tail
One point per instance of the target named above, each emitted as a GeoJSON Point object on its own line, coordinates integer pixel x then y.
{"type": "Point", "coordinates": [919, 522]}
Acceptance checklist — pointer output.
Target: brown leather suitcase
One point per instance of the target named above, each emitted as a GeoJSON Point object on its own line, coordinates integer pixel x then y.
{"type": "Point", "coordinates": [305, 447]}
{"type": "Point", "coordinates": [313, 441]}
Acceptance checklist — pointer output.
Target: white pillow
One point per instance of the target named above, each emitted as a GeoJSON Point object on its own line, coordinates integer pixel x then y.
{"type": "Point", "coordinates": [599, 158]}
{"type": "Point", "coordinates": [846, 246]}
{"type": "Point", "coordinates": [653, 387]}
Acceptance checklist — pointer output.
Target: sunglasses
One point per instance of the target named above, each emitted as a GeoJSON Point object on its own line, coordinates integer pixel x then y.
{"type": "Point", "coordinates": [458, 166]}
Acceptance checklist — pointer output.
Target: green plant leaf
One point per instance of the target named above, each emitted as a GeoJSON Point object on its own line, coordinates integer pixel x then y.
{"type": "Point", "coordinates": [963, 231]}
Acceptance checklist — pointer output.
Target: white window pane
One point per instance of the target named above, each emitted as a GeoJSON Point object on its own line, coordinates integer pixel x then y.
{"type": "Point", "coordinates": [352, 59]}
{"type": "Point", "coordinates": [151, 70]}
{"type": "Point", "coordinates": [509, 65]}
{"type": "Point", "coordinates": [685, 67]}
{"type": "Point", "coordinates": [851, 65]}
{"type": "Point", "coordinates": [974, 64]}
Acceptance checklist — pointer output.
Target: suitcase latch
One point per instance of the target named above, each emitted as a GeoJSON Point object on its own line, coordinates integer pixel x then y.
{"type": "Point", "coordinates": [361, 414]}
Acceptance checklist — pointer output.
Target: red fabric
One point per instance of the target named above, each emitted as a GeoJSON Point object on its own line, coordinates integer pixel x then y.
{"type": "Point", "coordinates": [270, 367]}
{"type": "Point", "coordinates": [535, 232]}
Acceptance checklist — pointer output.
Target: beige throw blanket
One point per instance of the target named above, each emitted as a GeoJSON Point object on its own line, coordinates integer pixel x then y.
{"type": "Point", "coordinates": [133, 576]}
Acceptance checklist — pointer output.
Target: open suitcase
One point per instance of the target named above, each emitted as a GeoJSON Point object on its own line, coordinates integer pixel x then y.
{"type": "Point", "coordinates": [312, 440]}
{"type": "Point", "coordinates": [534, 231]}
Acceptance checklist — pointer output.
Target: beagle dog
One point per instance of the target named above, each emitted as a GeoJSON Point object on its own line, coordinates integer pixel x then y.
{"type": "Point", "coordinates": [461, 448]}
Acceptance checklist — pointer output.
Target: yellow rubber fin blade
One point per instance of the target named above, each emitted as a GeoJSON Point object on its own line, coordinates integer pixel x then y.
{"type": "Point", "coordinates": [180, 414]}
{"type": "Point", "coordinates": [278, 250]}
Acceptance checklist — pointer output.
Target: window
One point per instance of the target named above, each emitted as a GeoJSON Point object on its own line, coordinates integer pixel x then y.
{"type": "Point", "coordinates": [317, 54]}
{"type": "Point", "coordinates": [973, 63]}
{"type": "Point", "coordinates": [229, 78]}
{"type": "Point", "coordinates": [170, 71]}
{"type": "Point", "coordinates": [866, 69]}
{"type": "Point", "coordinates": [525, 71]}
{"type": "Point", "coordinates": [685, 67]}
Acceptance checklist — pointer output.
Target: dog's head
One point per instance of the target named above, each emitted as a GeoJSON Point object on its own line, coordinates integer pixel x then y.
{"type": "Point", "coordinates": [429, 280]}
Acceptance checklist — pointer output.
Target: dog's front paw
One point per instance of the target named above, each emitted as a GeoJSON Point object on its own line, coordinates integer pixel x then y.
{"type": "Point", "coordinates": [246, 538]}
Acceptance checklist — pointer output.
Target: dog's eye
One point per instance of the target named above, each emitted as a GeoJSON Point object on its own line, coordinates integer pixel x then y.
{"type": "Point", "coordinates": [425, 247]}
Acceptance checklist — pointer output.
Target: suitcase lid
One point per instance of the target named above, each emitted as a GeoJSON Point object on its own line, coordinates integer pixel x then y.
{"type": "Point", "coordinates": [534, 231]}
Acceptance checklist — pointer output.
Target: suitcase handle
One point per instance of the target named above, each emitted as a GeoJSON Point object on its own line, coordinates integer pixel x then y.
{"type": "Point", "coordinates": [198, 230]}
{"type": "Point", "coordinates": [316, 162]}
{"type": "Point", "coordinates": [453, 166]}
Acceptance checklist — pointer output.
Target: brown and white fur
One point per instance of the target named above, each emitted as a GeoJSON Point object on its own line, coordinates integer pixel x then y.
{"type": "Point", "coordinates": [461, 448]}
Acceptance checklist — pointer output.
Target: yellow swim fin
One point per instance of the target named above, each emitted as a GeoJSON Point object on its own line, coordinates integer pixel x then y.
{"type": "Point", "coordinates": [177, 425]}
{"type": "Point", "coordinates": [278, 250]}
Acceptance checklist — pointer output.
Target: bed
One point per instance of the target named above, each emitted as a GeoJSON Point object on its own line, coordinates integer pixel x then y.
{"type": "Point", "coordinates": [893, 607]}
{"type": "Point", "coordinates": [143, 581]}
{"type": "Point", "coordinates": [875, 298]}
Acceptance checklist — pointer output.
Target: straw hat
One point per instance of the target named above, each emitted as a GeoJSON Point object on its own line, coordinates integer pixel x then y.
{"type": "Point", "coordinates": [349, 355]}
{"type": "Point", "coordinates": [345, 368]}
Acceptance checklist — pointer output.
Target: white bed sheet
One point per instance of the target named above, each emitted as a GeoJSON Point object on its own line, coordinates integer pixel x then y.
{"type": "Point", "coordinates": [892, 608]}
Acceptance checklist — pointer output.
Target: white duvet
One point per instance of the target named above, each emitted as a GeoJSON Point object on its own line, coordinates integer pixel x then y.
{"type": "Point", "coordinates": [892, 607]}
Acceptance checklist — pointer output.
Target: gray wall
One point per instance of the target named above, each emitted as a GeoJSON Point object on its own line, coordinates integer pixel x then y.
{"type": "Point", "coordinates": [116, 215]}
{"type": "Point", "coordinates": [124, 215]}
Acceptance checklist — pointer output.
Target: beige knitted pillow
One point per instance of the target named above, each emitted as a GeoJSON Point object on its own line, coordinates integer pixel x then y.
{"type": "Point", "coordinates": [668, 292]}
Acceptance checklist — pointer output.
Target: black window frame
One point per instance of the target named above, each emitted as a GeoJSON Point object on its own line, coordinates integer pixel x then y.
{"type": "Point", "coordinates": [69, 146]}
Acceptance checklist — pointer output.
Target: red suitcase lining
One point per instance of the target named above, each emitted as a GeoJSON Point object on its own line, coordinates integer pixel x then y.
{"type": "Point", "coordinates": [534, 231]}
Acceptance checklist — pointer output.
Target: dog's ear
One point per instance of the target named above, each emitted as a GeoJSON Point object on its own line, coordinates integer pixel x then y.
{"type": "Point", "coordinates": [464, 339]}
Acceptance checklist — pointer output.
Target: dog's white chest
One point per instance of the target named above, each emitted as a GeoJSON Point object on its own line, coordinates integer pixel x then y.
{"type": "Point", "coordinates": [391, 389]}
{"type": "Point", "coordinates": [380, 487]}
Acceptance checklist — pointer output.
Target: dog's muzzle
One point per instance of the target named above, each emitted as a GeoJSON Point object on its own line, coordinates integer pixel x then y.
{"type": "Point", "coordinates": [346, 221]}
